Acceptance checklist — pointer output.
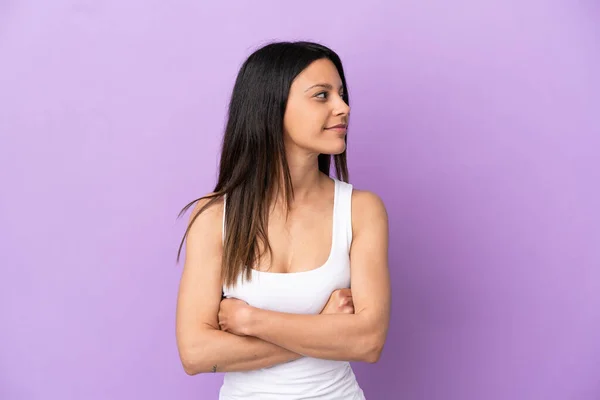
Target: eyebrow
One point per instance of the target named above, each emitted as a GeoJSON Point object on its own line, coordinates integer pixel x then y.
{"type": "Point", "coordinates": [323, 85]}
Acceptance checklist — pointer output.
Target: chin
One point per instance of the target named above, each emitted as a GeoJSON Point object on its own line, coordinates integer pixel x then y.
{"type": "Point", "coordinates": [343, 149]}
{"type": "Point", "coordinates": [334, 151]}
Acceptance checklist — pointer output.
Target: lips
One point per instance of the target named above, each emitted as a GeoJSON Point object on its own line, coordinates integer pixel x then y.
{"type": "Point", "coordinates": [339, 126]}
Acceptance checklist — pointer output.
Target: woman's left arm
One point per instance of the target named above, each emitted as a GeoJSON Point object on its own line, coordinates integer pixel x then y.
{"type": "Point", "coordinates": [348, 337]}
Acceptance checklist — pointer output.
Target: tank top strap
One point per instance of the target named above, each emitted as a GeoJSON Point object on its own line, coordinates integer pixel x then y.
{"type": "Point", "coordinates": [224, 208]}
{"type": "Point", "coordinates": [344, 213]}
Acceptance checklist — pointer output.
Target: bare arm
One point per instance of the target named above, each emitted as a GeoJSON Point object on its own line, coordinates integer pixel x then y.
{"type": "Point", "coordinates": [355, 337]}
{"type": "Point", "coordinates": [202, 346]}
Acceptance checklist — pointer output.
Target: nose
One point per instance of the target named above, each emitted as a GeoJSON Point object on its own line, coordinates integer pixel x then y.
{"type": "Point", "coordinates": [341, 108]}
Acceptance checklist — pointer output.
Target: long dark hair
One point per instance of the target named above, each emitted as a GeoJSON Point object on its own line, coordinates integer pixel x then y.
{"type": "Point", "coordinates": [253, 159]}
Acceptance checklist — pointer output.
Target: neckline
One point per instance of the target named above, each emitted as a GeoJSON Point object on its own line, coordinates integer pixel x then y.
{"type": "Point", "coordinates": [331, 250]}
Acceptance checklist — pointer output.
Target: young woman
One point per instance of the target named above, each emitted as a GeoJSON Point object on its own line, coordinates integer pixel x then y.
{"type": "Point", "coordinates": [272, 253]}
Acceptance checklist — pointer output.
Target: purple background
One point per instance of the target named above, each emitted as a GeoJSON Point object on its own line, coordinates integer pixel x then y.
{"type": "Point", "coordinates": [477, 122]}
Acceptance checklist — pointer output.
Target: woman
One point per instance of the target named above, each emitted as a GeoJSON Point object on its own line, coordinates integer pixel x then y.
{"type": "Point", "coordinates": [264, 294]}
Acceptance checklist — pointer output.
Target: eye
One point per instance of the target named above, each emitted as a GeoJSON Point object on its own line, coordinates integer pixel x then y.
{"type": "Point", "coordinates": [324, 95]}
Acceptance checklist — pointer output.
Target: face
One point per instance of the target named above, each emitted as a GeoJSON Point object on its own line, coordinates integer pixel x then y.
{"type": "Point", "coordinates": [315, 110]}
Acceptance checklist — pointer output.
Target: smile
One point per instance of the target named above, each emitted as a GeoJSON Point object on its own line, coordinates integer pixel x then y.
{"type": "Point", "coordinates": [338, 128]}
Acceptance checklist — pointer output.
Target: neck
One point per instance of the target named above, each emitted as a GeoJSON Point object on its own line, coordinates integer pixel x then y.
{"type": "Point", "coordinates": [306, 178]}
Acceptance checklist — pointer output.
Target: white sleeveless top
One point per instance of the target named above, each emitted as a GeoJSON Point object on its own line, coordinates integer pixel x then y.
{"type": "Point", "coordinates": [300, 293]}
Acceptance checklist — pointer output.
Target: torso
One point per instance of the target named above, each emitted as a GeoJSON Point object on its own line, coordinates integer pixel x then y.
{"type": "Point", "coordinates": [310, 260]}
{"type": "Point", "coordinates": [303, 242]}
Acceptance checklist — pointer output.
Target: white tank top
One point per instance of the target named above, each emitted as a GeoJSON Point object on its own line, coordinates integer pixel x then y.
{"type": "Point", "coordinates": [300, 293]}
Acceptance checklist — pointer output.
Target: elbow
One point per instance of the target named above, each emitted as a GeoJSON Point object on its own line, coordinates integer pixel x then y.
{"type": "Point", "coordinates": [195, 367]}
{"type": "Point", "coordinates": [197, 351]}
{"type": "Point", "coordinates": [193, 360]}
{"type": "Point", "coordinates": [190, 369]}
{"type": "Point", "coordinates": [189, 363]}
{"type": "Point", "coordinates": [372, 349]}
{"type": "Point", "coordinates": [373, 355]}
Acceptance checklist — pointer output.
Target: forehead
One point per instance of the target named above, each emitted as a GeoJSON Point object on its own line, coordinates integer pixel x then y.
{"type": "Point", "coordinates": [319, 71]}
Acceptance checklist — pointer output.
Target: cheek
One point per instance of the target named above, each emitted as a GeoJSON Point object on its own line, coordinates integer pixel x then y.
{"type": "Point", "coordinates": [303, 121]}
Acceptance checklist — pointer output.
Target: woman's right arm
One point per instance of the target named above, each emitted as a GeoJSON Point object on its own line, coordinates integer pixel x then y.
{"type": "Point", "coordinates": [202, 346]}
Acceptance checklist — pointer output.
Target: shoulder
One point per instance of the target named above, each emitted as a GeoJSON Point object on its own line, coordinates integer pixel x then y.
{"type": "Point", "coordinates": [368, 209]}
{"type": "Point", "coordinates": [366, 198]}
{"type": "Point", "coordinates": [205, 220]}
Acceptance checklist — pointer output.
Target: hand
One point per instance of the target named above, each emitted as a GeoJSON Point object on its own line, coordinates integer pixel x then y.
{"type": "Point", "coordinates": [340, 302]}
{"type": "Point", "coordinates": [235, 316]}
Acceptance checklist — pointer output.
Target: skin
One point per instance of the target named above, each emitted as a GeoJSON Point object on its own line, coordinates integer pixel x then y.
{"type": "Point", "coordinates": [230, 335]}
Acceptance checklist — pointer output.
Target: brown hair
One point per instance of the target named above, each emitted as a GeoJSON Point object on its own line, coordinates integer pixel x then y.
{"type": "Point", "coordinates": [253, 164]}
